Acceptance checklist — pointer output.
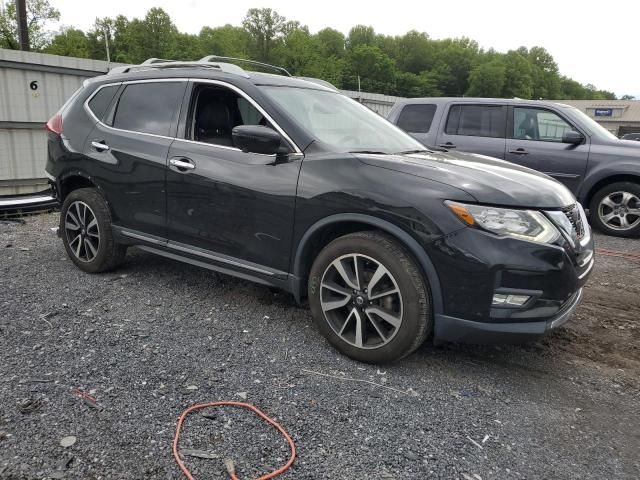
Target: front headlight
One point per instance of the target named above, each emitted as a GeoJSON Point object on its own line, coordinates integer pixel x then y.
{"type": "Point", "coordinates": [523, 224]}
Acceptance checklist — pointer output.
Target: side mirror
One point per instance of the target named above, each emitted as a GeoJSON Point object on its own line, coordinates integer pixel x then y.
{"type": "Point", "coordinates": [573, 137]}
{"type": "Point", "coordinates": [256, 139]}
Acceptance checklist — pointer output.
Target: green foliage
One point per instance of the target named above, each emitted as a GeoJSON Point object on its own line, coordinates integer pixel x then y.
{"type": "Point", "coordinates": [227, 41]}
{"type": "Point", "coordinates": [39, 13]}
{"type": "Point", "coordinates": [487, 79]}
{"type": "Point", "coordinates": [71, 43]}
{"type": "Point", "coordinates": [412, 65]}
{"type": "Point", "coordinates": [265, 26]}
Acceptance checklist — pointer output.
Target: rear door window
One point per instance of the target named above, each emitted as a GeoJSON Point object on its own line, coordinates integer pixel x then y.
{"type": "Point", "coordinates": [417, 118]}
{"type": "Point", "coordinates": [101, 100]}
{"type": "Point", "coordinates": [149, 107]}
{"type": "Point", "coordinates": [477, 121]}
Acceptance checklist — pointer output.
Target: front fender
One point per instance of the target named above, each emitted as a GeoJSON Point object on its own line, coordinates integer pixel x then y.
{"type": "Point", "coordinates": [402, 236]}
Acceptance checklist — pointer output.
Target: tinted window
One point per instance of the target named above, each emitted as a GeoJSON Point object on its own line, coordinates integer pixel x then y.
{"type": "Point", "coordinates": [416, 118]}
{"type": "Point", "coordinates": [476, 121]}
{"type": "Point", "coordinates": [538, 124]}
{"type": "Point", "coordinates": [148, 107]}
{"type": "Point", "coordinates": [101, 100]}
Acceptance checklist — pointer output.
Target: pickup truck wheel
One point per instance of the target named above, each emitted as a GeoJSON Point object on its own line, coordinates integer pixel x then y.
{"type": "Point", "coordinates": [615, 209]}
{"type": "Point", "coordinates": [369, 299]}
{"type": "Point", "coordinates": [85, 228]}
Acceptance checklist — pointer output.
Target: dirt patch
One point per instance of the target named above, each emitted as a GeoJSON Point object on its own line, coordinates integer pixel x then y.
{"type": "Point", "coordinates": [606, 326]}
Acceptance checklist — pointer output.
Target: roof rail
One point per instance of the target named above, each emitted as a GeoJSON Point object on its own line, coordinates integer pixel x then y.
{"type": "Point", "coordinates": [153, 63]}
{"type": "Point", "coordinates": [280, 70]}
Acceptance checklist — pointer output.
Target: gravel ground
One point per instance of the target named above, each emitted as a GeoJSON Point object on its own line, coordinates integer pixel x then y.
{"type": "Point", "coordinates": [156, 336]}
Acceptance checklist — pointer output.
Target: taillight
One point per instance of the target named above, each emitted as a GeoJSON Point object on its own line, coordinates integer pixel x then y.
{"type": "Point", "coordinates": [54, 124]}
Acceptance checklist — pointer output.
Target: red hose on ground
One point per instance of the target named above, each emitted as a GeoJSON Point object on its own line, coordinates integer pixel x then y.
{"type": "Point", "coordinates": [229, 463]}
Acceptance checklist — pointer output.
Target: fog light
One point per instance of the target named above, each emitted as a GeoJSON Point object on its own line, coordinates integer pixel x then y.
{"type": "Point", "coordinates": [515, 300]}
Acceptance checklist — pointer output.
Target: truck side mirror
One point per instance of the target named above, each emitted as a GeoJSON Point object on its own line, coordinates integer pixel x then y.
{"type": "Point", "coordinates": [573, 137]}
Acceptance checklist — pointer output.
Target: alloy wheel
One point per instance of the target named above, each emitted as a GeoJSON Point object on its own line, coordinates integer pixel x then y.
{"type": "Point", "coordinates": [361, 301]}
{"type": "Point", "coordinates": [82, 230]}
{"type": "Point", "coordinates": [620, 210]}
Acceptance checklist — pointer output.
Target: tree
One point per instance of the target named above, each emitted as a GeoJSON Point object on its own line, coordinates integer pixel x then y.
{"type": "Point", "coordinates": [39, 13]}
{"type": "Point", "coordinates": [487, 79]}
{"type": "Point", "coordinates": [375, 69]}
{"type": "Point", "coordinates": [114, 30]}
{"type": "Point", "coordinates": [151, 37]}
{"type": "Point", "coordinates": [71, 43]}
{"type": "Point", "coordinates": [264, 25]}
{"type": "Point", "coordinates": [627, 97]}
{"type": "Point", "coordinates": [227, 41]}
{"type": "Point", "coordinates": [518, 81]}
{"type": "Point", "coordinates": [416, 52]}
{"type": "Point", "coordinates": [360, 35]}
{"type": "Point", "coordinates": [330, 42]}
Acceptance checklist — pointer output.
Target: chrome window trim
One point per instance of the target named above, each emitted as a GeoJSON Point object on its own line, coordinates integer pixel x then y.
{"type": "Point", "coordinates": [198, 80]}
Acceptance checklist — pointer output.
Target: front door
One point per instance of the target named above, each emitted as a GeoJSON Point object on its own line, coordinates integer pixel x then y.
{"type": "Point", "coordinates": [535, 141]}
{"type": "Point", "coordinates": [224, 204]}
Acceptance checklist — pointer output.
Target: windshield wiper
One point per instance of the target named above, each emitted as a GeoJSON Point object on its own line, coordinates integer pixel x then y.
{"type": "Point", "coordinates": [376, 152]}
{"type": "Point", "coordinates": [408, 152]}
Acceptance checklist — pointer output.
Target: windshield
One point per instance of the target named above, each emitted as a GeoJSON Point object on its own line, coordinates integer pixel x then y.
{"type": "Point", "coordinates": [594, 127]}
{"type": "Point", "coordinates": [339, 122]}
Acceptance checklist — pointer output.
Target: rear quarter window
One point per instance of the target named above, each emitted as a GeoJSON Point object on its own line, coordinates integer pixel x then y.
{"type": "Point", "coordinates": [417, 118]}
{"type": "Point", "coordinates": [148, 107]}
{"type": "Point", "coordinates": [101, 100]}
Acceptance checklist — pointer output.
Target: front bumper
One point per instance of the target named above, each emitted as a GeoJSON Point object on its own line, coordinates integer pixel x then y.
{"type": "Point", "coordinates": [451, 329]}
{"type": "Point", "coordinates": [473, 266]}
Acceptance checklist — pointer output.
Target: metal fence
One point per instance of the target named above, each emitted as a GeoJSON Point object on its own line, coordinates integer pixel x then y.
{"type": "Point", "coordinates": [33, 86]}
{"type": "Point", "coordinates": [375, 101]}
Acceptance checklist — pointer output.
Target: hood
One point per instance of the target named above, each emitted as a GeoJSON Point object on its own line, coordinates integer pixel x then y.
{"type": "Point", "coordinates": [487, 179]}
{"type": "Point", "coordinates": [625, 147]}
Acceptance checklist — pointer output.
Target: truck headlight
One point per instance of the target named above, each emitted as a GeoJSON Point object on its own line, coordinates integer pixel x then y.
{"type": "Point", "coordinates": [522, 224]}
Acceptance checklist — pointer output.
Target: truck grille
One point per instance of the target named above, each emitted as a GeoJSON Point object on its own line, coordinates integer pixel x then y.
{"type": "Point", "coordinates": [573, 214]}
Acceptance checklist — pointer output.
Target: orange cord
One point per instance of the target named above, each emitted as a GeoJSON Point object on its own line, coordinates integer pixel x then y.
{"type": "Point", "coordinates": [228, 463]}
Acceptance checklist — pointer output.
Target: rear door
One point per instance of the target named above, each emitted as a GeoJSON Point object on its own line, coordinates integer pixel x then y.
{"type": "Point", "coordinates": [535, 141]}
{"type": "Point", "coordinates": [129, 147]}
{"type": "Point", "coordinates": [474, 128]}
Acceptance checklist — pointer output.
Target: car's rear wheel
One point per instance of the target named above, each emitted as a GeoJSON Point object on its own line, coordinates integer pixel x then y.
{"type": "Point", "coordinates": [85, 228]}
{"type": "Point", "coordinates": [369, 299]}
{"type": "Point", "coordinates": [615, 209]}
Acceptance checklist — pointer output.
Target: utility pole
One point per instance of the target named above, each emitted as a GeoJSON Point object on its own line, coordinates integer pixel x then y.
{"type": "Point", "coordinates": [106, 44]}
{"type": "Point", "coordinates": [23, 31]}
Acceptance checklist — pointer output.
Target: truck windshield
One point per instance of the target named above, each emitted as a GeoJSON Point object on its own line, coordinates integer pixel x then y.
{"type": "Point", "coordinates": [339, 122]}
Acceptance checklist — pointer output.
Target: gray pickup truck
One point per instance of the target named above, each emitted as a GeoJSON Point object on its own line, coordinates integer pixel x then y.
{"type": "Point", "coordinates": [602, 171]}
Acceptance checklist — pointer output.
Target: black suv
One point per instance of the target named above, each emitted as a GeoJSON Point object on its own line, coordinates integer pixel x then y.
{"type": "Point", "coordinates": [286, 182]}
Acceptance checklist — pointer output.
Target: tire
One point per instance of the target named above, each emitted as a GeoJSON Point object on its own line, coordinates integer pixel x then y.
{"type": "Point", "coordinates": [93, 249]}
{"type": "Point", "coordinates": [622, 201]}
{"type": "Point", "coordinates": [406, 319]}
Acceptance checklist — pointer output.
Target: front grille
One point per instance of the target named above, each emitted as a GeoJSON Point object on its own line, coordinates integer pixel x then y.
{"type": "Point", "coordinates": [573, 214]}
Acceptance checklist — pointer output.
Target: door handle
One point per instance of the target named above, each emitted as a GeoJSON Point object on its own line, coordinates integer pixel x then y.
{"type": "Point", "coordinates": [100, 146]}
{"type": "Point", "coordinates": [519, 151]}
{"type": "Point", "coordinates": [447, 145]}
{"type": "Point", "coordinates": [182, 164]}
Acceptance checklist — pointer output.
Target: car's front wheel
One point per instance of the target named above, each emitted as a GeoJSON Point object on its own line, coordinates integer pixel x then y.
{"type": "Point", "coordinates": [369, 299]}
{"type": "Point", "coordinates": [615, 209]}
{"type": "Point", "coordinates": [85, 228]}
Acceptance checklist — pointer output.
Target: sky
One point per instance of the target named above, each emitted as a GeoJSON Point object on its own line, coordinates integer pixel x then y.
{"type": "Point", "coordinates": [592, 42]}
